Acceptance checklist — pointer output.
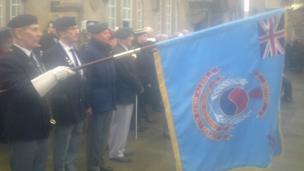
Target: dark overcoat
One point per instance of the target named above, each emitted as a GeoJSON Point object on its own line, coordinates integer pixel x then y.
{"type": "Point", "coordinates": [128, 83]}
{"type": "Point", "coordinates": [25, 113]}
{"type": "Point", "coordinates": [67, 99]}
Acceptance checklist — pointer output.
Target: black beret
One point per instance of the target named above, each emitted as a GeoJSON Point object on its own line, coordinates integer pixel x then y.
{"type": "Point", "coordinates": [96, 28]}
{"type": "Point", "coordinates": [123, 33]}
{"type": "Point", "coordinates": [22, 20]}
{"type": "Point", "coordinates": [140, 32]}
{"type": "Point", "coordinates": [64, 23]}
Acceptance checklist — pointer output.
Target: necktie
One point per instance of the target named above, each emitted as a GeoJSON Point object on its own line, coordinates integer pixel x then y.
{"type": "Point", "coordinates": [38, 66]}
{"type": "Point", "coordinates": [74, 54]}
{"type": "Point", "coordinates": [76, 62]}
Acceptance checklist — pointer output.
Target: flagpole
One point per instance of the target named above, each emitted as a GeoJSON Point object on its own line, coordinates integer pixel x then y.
{"type": "Point", "coordinates": [2, 91]}
{"type": "Point", "coordinates": [112, 57]}
{"type": "Point", "coordinates": [136, 117]}
{"type": "Point", "coordinates": [115, 56]}
{"type": "Point", "coordinates": [168, 112]}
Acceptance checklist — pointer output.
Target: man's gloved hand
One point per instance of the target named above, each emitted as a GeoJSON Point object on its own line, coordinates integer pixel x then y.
{"type": "Point", "coordinates": [46, 81]}
{"type": "Point", "coordinates": [62, 72]}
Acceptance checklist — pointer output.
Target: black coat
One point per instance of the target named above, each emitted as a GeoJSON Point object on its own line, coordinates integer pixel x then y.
{"type": "Point", "coordinates": [147, 74]}
{"type": "Point", "coordinates": [67, 98]}
{"type": "Point", "coordinates": [25, 113]}
{"type": "Point", "coordinates": [101, 78]}
{"type": "Point", "coordinates": [128, 84]}
{"type": "Point", "coordinates": [146, 66]}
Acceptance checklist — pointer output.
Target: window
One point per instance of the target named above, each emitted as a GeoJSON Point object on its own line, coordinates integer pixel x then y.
{"type": "Point", "coordinates": [246, 6]}
{"type": "Point", "coordinates": [168, 17]}
{"type": "Point", "coordinates": [176, 16]}
{"type": "Point", "coordinates": [139, 14]}
{"type": "Point", "coordinates": [112, 4]}
{"type": "Point", "coordinates": [9, 9]}
{"type": "Point", "coordinates": [2, 13]}
{"type": "Point", "coordinates": [158, 17]}
{"type": "Point", "coordinates": [16, 8]}
{"type": "Point", "coordinates": [127, 11]}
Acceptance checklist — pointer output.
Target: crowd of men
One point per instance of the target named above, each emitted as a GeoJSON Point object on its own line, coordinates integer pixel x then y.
{"type": "Point", "coordinates": [39, 87]}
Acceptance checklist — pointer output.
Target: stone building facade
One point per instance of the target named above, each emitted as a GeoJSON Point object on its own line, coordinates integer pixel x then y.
{"type": "Point", "coordinates": [165, 16]}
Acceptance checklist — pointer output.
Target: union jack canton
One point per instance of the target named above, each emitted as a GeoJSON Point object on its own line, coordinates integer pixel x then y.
{"type": "Point", "coordinates": [272, 36]}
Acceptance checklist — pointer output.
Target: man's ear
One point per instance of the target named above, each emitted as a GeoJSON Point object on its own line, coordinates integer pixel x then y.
{"type": "Point", "coordinates": [18, 32]}
{"type": "Point", "coordinates": [60, 34]}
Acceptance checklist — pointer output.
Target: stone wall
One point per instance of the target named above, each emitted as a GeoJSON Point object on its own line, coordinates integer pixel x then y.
{"type": "Point", "coordinates": [97, 10]}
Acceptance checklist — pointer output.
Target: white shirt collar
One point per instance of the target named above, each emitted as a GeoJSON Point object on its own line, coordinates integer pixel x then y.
{"type": "Point", "coordinates": [70, 55]}
{"type": "Point", "coordinates": [65, 46]}
{"type": "Point", "coordinates": [67, 49]}
{"type": "Point", "coordinates": [124, 46]}
{"type": "Point", "coordinates": [26, 51]}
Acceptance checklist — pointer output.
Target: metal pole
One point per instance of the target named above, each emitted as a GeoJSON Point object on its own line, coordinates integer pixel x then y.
{"type": "Point", "coordinates": [136, 117]}
{"type": "Point", "coordinates": [112, 57]}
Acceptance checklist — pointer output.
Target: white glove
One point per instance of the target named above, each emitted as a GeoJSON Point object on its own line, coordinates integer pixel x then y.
{"type": "Point", "coordinates": [134, 55]}
{"type": "Point", "coordinates": [46, 81]}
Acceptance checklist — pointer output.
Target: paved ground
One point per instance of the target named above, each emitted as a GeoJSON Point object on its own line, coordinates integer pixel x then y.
{"type": "Point", "coordinates": [153, 151]}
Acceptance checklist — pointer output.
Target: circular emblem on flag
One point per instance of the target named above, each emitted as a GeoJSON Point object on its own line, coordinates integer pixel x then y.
{"type": "Point", "coordinates": [220, 103]}
{"type": "Point", "coordinates": [234, 101]}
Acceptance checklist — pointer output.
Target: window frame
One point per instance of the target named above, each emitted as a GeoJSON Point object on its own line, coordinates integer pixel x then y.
{"type": "Point", "coordinates": [15, 8]}
{"type": "Point", "coordinates": [168, 16]}
{"type": "Point", "coordinates": [139, 14]}
{"type": "Point", "coordinates": [2, 13]}
{"type": "Point", "coordinates": [112, 9]}
{"type": "Point", "coordinates": [127, 11]}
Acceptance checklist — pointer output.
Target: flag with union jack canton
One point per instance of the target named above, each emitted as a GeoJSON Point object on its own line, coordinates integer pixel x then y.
{"type": "Point", "coordinates": [221, 90]}
{"type": "Point", "coordinates": [272, 36]}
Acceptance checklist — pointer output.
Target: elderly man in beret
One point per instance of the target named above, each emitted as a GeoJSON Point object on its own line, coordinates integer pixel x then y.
{"type": "Point", "coordinates": [127, 86]}
{"type": "Point", "coordinates": [101, 94]}
{"type": "Point", "coordinates": [67, 99]}
{"type": "Point", "coordinates": [24, 83]}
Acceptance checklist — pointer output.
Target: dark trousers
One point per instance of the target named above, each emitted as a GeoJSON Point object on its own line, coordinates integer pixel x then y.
{"type": "Point", "coordinates": [97, 136]}
{"type": "Point", "coordinates": [67, 141]}
{"type": "Point", "coordinates": [29, 155]}
{"type": "Point", "coordinates": [287, 90]}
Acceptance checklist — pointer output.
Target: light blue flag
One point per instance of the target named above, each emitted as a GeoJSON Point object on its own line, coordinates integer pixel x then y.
{"type": "Point", "coordinates": [221, 87]}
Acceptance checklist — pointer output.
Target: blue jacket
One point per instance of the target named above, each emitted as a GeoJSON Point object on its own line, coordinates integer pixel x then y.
{"type": "Point", "coordinates": [101, 78]}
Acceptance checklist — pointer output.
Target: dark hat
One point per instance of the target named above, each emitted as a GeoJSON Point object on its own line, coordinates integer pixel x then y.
{"type": "Point", "coordinates": [97, 27]}
{"type": "Point", "coordinates": [90, 23]}
{"type": "Point", "coordinates": [64, 23]}
{"type": "Point", "coordinates": [22, 20]}
{"type": "Point", "coordinates": [4, 34]}
{"type": "Point", "coordinates": [125, 24]}
{"type": "Point", "coordinates": [123, 33]}
{"type": "Point", "coordinates": [140, 32]}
